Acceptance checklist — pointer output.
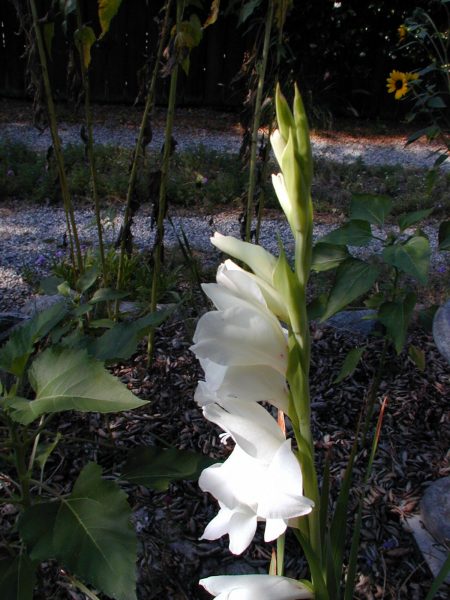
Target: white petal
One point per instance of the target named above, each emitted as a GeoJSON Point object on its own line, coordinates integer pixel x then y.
{"type": "Point", "coordinates": [283, 497]}
{"type": "Point", "coordinates": [260, 261]}
{"type": "Point", "coordinates": [274, 528]}
{"type": "Point", "coordinates": [219, 526]}
{"type": "Point", "coordinates": [278, 145]}
{"type": "Point", "coordinates": [282, 195]}
{"type": "Point", "coordinates": [251, 426]}
{"type": "Point", "coordinates": [255, 587]}
{"type": "Point", "coordinates": [242, 531]}
{"type": "Point", "coordinates": [253, 383]}
{"type": "Point", "coordinates": [222, 297]}
{"type": "Point", "coordinates": [241, 336]}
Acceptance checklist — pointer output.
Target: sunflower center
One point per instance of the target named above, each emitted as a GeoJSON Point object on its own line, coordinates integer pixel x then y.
{"type": "Point", "coordinates": [399, 84]}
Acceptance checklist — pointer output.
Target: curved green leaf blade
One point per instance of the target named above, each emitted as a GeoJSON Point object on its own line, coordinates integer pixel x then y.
{"type": "Point", "coordinates": [65, 379]}
{"type": "Point", "coordinates": [88, 279]}
{"type": "Point", "coordinates": [350, 363]}
{"type": "Point", "coordinates": [396, 316]}
{"type": "Point", "coordinates": [120, 342]}
{"type": "Point", "coordinates": [17, 576]}
{"type": "Point", "coordinates": [412, 257]}
{"type": "Point", "coordinates": [373, 208]}
{"type": "Point", "coordinates": [89, 532]}
{"type": "Point", "coordinates": [353, 233]}
{"type": "Point", "coordinates": [353, 279]}
{"type": "Point", "coordinates": [328, 256]}
{"type": "Point", "coordinates": [405, 221]}
{"type": "Point", "coordinates": [84, 40]}
{"type": "Point", "coordinates": [156, 468]}
{"type": "Point", "coordinates": [17, 350]}
{"type": "Point", "coordinates": [107, 10]}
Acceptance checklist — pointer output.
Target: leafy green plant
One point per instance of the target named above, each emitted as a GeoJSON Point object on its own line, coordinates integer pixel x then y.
{"type": "Point", "coordinates": [85, 527]}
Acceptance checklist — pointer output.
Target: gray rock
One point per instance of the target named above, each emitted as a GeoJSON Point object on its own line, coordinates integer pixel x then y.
{"type": "Point", "coordinates": [40, 303]}
{"type": "Point", "coordinates": [433, 553]}
{"type": "Point", "coordinates": [441, 330]}
{"type": "Point", "coordinates": [435, 509]}
{"type": "Point", "coordinates": [361, 322]}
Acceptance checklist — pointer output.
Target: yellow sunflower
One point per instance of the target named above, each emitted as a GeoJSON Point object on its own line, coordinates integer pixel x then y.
{"type": "Point", "coordinates": [397, 83]}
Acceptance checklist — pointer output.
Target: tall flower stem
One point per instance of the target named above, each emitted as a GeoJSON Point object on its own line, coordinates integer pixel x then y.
{"type": "Point", "coordinates": [256, 119]}
{"type": "Point", "coordinates": [90, 151]}
{"type": "Point", "coordinates": [75, 249]}
{"type": "Point", "coordinates": [149, 104]}
{"type": "Point", "coordinates": [157, 258]}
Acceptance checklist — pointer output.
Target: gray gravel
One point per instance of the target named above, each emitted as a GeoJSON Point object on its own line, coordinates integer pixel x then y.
{"type": "Point", "coordinates": [31, 240]}
{"type": "Point", "coordinates": [31, 237]}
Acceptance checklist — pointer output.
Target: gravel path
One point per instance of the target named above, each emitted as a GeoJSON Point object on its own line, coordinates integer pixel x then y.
{"type": "Point", "coordinates": [30, 237]}
{"type": "Point", "coordinates": [375, 151]}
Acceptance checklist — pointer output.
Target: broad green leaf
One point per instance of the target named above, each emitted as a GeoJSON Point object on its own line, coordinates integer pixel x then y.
{"type": "Point", "coordinates": [66, 379]}
{"type": "Point", "coordinates": [353, 279]}
{"type": "Point", "coordinates": [120, 342]}
{"type": "Point", "coordinates": [429, 132]}
{"type": "Point", "coordinates": [107, 10]}
{"type": "Point", "coordinates": [84, 40]}
{"type": "Point", "coordinates": [189, 33]}
{"type": "Point", "coordinates": [426, 316]}
{"type": "Point", "coordinates": [436, 102]}
{"type": "Point", "coordinates": [101, 324]}
{"type": "Point", "coordinates": [82, 310]}
{"type": "Point", "coordinates": [444, 235]}
{"type": "Point", "coordinates": [156, 468]}
{"type": "Point", "coordinates": [373, 208]}
{"type": "Point", "coordinates": [411, 257]}
{"type": "Point", "coordinates": [396, 316]}
{"type": "Point", "coordinates": [106, 295]}
{"type": "Point", "coordinates": [350, 363]}
{"type": "Point", "coordinates": [353, 233]}
{"type": "Point", "coordinates": [88, 279]}
{"type": "Point", "coordinates": [17, 350]}
{"type": "Point", "coordinates": [90, 533]}
{"type": "Point", "coordinates": [317, 307]}
{"type": "Point", "coordinates": [49, 285]}
{"type": "Point", "coordinates": [328, 256]}
{"type": "Point", "coordinates": [405, 221]}
{"type": "Point", "coordinates": [247, 9]}
{"type": "Point", "coordinates": [36, 527]}
{"type": "Point", "coordinates": [213, 14]}
{"type": "Point", "coordinates": [417, 355]}
{"type": "Point", "coordinates": [17, 577]}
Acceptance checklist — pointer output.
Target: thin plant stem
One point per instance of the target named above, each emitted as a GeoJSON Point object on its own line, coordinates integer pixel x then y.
{"type": "Point", "coordinates": [78, 584]}
{"type": "Point", "coordinates": [157, 258]}
{"type": "Point", "coordinates": [149, 105]}
{"type": "Point", "coordinates": [77, 259]}
{"type": "Point", "coordinates": [90, 151]}
{"type": "Point", "coordinates": [256, 119]}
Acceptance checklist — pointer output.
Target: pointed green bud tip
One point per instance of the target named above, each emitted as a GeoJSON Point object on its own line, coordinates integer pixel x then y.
{"type": "Point", "coordinates": [285, 118]}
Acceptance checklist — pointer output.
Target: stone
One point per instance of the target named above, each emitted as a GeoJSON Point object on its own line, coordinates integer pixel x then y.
{"type": "Point", "coordinates": [435, 509]}
{"type": "Point", "coordinates": [40, 303]}
{"type": "Point", "coordinates": [434, 554]}
{"type": "Point", "coordinates": [441, 330]}
{"type": "Point", "coordinates": [361, 322]}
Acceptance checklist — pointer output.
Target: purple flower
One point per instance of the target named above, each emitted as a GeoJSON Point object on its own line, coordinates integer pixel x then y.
{"type": "Point", "coordinates": [40, 261]}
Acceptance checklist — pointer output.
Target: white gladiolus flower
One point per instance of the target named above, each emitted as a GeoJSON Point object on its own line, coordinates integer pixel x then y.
{"type": "Point", "coordinates": [261, 479]}
{"type": "Point", "coordinates": [255, 587]}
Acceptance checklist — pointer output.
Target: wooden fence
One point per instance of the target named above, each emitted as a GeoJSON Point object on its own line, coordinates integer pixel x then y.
{"type": "Point", "coordinates": [116, 60]}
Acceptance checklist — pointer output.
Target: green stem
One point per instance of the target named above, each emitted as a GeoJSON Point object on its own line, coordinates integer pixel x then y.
{"type": "Point", "coordinates": [157, 259]}
{"type": "Point", "coordinates": [256, 119]}
{"type": "Point", "coordinates": [68, 207]}
{"type": "Point", "coordinates": [90, 151]}
{"type": "Point", "coordinates": [149, 104]}
{"type": "Point", "coordinates": [21, 467]}
{"type": "Point", "coordinates": [280, 554]}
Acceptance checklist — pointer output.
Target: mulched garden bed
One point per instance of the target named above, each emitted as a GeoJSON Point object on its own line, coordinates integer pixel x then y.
{"type": "Point", "coordinates": [413, 451]}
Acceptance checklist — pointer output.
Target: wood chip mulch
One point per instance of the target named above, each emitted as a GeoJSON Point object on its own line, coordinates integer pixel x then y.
{"type": "Point", "coordinates": [413, 451]}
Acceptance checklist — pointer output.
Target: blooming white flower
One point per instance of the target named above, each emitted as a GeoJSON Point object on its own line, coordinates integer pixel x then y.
{"type": "Point", "coordinates": [255, 587]}
{"type": "Point", "coordinates": [261, 479]}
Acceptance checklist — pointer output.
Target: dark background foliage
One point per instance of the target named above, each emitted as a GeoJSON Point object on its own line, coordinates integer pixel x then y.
{"type": "Point", "coordinates": [340, 53]}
